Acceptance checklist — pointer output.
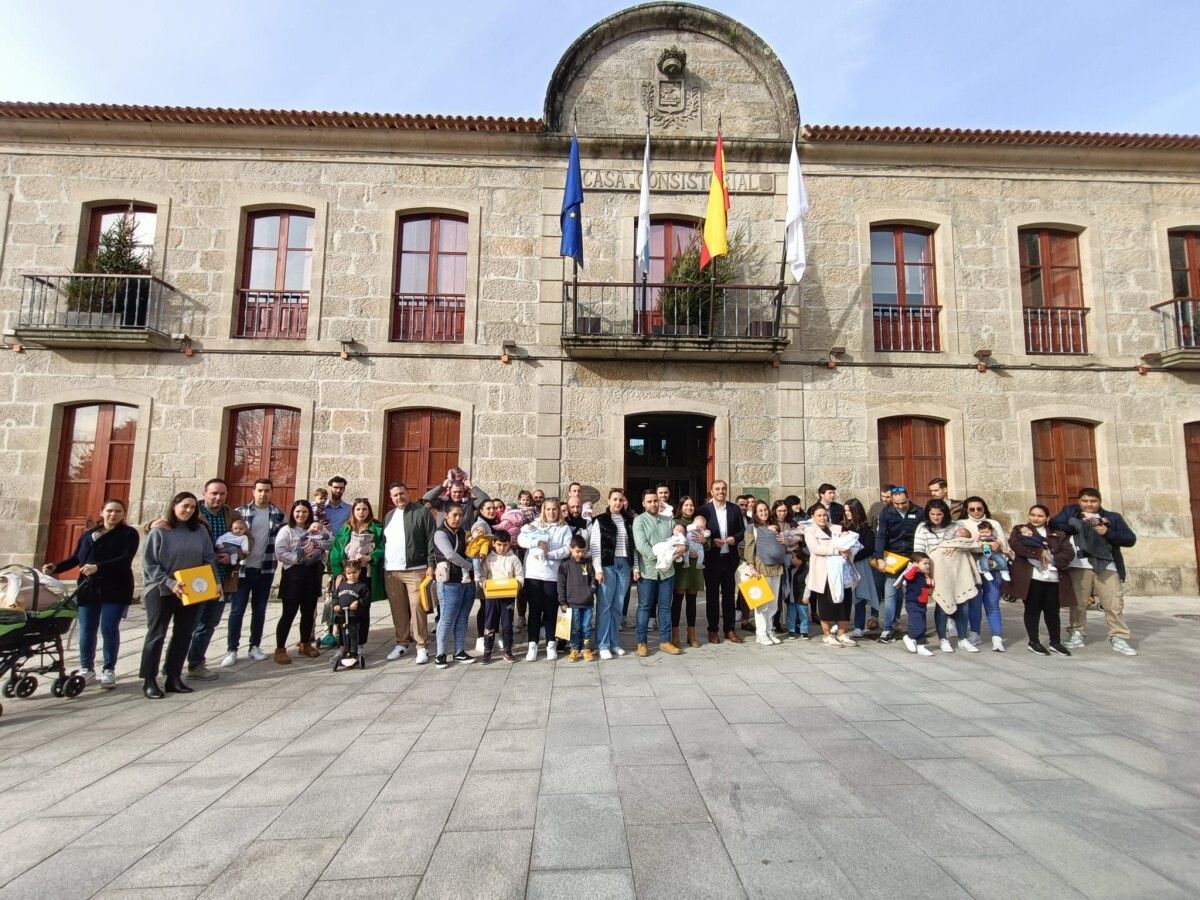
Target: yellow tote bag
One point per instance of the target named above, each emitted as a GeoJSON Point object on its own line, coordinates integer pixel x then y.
{"type": "Point", "coordinates": [428, 591]}
{"type": "Point", "coordinates": [199, 584]}
{"type": "Point", "coordinates": [756, 591]}
{"type": "Point", "coordinates": [894, 563]}
{"type": "Point", "coordinates": [562, 626]}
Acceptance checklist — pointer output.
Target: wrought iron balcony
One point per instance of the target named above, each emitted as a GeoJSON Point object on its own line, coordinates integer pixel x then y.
{"type": "Point", "coordinates": [906, 329]}
{"type": "Point", "coordinates": [88, 310]}
{"type": "Point", "coordinates": [1056, 330]}
{"type": "Point", "coordinates": [279, 315]}
{"type": "Point", "coordinates": [676, 321]}
{"type": "Point", "coordinates": [436, 318]}
{"type": "Point", "coordinates": [1180, 320]}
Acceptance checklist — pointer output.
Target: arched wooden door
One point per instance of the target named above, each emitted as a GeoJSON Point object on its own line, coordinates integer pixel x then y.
{"type": "Point", "coordinates": [95, 463]}
{"type": "Point", "coordinates": [1064, 460]}
{"type": "Point", "coordinates": [264, 442]}
{"type": "Point", "coordinates": [1191, 441]}
{"type": "Point", "coordinates": [912, 452]}
{"type": "Point", "coordinates": [420, 446]}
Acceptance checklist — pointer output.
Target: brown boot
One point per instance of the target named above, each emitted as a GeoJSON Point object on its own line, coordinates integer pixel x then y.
{"type": "Point", "coordinates": [714, 637]}
{"type": "Point", "coordinates": [670, 647]}
{"type": "Point", "coordinates": [643, 650]}
{"type": "Point", "coordinates": [281, 657]}
{"type": "Point", "coordinates": [307, 649]}
{"type": "Point", "coordinates": [733, 637]}
{"type": "Point", "coordinates": [691, 638]}
{"type": "Point", "coordinates": [675, 636]}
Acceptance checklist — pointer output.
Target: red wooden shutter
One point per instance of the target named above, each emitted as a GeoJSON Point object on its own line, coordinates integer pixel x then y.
{"type": "Point", "coordinates": [1191, 442]}
{"type": "Point", "coordinates": [421, 445]}
{"type": "Point", "coordinates": [95, 463]}
{"type": "Point", "coordinates": [1064, 461]}
{"type": "Point", "coordinates": [912, 452]}
{"type": "Point", "coordinates": [264, 442]}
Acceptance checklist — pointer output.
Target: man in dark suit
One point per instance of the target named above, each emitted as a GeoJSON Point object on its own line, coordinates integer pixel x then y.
{"type": "Point", "coordinates": [728, 527]}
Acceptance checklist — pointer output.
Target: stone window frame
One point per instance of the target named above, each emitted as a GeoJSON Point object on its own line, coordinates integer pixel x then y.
{"type": "Point", "coordinates": [90, 199]}
{"type": "Point", "coordinates": [54, 405]}
{"type": "Point", "coordinates": [216, 444]}
{"type": "Point", "coordinates": [1104, 436]}
{"type": "Point", "coordinates": [942, 232]}
{"type": "Point", "coordinates": [377, 414]}
{"type": "Point", "coordinates": [225, 315]}
{"type": "Point", "coordinates": [389, 263]}
{"type": "Point", "coordinates": [1091, 276]}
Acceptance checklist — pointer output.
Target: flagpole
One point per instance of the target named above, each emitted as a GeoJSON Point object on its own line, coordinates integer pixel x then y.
{"type": "Point", "coordinates": [783, 253]}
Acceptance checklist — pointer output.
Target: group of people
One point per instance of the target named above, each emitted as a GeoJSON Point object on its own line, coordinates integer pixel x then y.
{"type": "Point", "coordinates": [564, 573]}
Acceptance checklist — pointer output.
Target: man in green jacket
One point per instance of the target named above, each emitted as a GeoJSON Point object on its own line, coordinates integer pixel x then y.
{"type": "Point", "coordinates": [654, 584]}
{"type": "Point", "coordinates": [407, 558]}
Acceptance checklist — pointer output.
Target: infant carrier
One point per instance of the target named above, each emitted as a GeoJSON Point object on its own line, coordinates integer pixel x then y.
{"type": "Point", "coordinates": [35, 612]}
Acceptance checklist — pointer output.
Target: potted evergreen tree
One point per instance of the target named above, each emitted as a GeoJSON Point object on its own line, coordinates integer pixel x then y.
{"type": "Point", "coordinates": [694, 306]}
{"type": "Point", "coordinates": [119, 301]}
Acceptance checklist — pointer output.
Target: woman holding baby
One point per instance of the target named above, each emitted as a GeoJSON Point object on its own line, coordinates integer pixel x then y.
{"type": "Point", "coordinates": [689, 573]}
{"type": "Point", "coordinates": [764, 554]}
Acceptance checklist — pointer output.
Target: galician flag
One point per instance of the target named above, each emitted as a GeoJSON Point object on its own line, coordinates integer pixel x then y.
{"type": "Point", "coordinates": [572, 207]}
{"type": "Point", "coordinates": [643, 224]}
{"type": "Point", "coordinates": [797, 208]}
{"type": "Point", "coordinates": [716, 224]}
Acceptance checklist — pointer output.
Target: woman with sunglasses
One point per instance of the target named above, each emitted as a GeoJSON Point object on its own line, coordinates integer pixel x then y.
{"type": "Point", "coordinates": [988, 598]}
{"type": "Point", "coordinates": [361, 532]}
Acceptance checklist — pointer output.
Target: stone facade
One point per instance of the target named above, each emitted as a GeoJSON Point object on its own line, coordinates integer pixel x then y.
{"type": "Point", "coordinates": [547, 417]}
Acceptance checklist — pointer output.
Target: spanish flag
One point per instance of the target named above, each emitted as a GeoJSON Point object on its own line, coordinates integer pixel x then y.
{"type": "Point", "coordinates": [716, 226]}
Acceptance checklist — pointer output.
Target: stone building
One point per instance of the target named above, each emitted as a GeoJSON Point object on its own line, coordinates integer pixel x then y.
{"type": "Point", "coordinates": [382, 295]}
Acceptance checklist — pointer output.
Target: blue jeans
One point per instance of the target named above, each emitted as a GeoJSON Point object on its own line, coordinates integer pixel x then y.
{"type": "Point", "coordinates": [456, 610]}
{"type": "Point", "coordinates": [988, 599]}
{"type": "Point", "coordinates": [254, 588]}
{"type": "Point", "coordinates": [105, 619]}
{"type": "Point", "coordinates": [892, 597]}
{"type": "Point", "coordinates": [207, 620]}
{"type": "Point", "coordinates": [797, 618]}
{"type": "Point", "coordinates": [960, 622]}
{"type": "Point", "coordinates": [656, 593]}
{"type": "Point", "coordinates": [581, 628]}
{"type": "Point", "coordinates": [608, 603]}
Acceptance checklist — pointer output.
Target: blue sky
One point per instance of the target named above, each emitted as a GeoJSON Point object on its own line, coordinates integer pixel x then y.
{"type": "Point", "coordinates": [1103, 65]}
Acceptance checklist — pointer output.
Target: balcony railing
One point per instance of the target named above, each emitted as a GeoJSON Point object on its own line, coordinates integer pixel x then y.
{"type": "Point", "coordinates": [696, 319]}
{"type": "Point", "coordinates": [272, 314]}
{"type": "Point", "coordinates": [1056, 330]}
{"type": "Point", "coordinates": [428, 317]}
{"type": "Point", "coordinates": [1180, 320]}
{"type": "Point", "coordinates": [907, 329]}
{"type": "Point", "coordinates": [95, 310]}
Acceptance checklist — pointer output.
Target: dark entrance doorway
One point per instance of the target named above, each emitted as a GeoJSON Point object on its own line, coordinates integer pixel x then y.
{"type": "Point", "coordinates": [671, 448]}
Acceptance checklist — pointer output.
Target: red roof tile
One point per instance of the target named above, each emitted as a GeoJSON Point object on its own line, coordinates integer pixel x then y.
{"type": "Point", "coordinates": [992, 137]}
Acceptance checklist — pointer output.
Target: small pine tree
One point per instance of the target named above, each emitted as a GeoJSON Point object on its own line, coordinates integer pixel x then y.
{"type": "Point", "coordinates": [699, 303]}
{"type": "Point", "coordinates": [118, 252]}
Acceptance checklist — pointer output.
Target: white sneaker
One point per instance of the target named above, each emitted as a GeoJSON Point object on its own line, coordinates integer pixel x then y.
{"type": "Point", "coordinates": [532, 654]}
{"type": "Point", "coordinates": [856, 633]}
{"type": "Point", "coordinates": [909, 644]}
{"type": "Point", "coordinates": [606, 654]}
{"type": "Point", "coordinates": [229, 660]}
{"type": "Point", "coordinates": [968, 646]}
{"type": "Point", "coordinates": [422, 656]}
{"type": "Point", "coordinates": [763, 642]}
{"type": "Point", "coordinates": [922, 650]}
{"type": "Point", "coordinates": [1075, 641]}
{"type": "Point", "coordinates": [945, 646]}
{"type": "Point", "coordinates": [617, 651]}
{"type": "Point", "coordinates": [88, 675]}
{"type": "Point", "coordinates": [108, 678]}
{"type": "Point", "coordinates": [773, 639]}
{"type": "Point", "coordinates": [1120, 645]}
{"type": "Point", "coordinates": [257, 655]}
{"type": "Point", "coordinates": [396, 652]}
{"type": "Point", "coordinates": [997, 643]}
{"type": "Point", "coordinates": [551, 649]}
{"type": "Point", "coordinates": [1005, 576]}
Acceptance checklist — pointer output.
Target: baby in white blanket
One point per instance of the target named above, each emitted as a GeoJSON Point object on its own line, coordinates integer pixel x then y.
{"type": "Point", "coordinates": [664, 551]}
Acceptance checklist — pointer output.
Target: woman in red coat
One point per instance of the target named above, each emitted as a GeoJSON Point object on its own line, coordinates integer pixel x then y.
{"type": "Point", "coordinates": [1039, 577]}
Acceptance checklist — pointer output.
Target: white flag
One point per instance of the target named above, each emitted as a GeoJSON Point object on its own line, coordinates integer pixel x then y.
{"type": "Point", "coordinates": [643, 225]}
{"type": "Point", "coordinates": [797, 206]}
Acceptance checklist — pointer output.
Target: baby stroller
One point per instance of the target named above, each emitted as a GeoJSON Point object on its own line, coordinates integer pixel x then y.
{"type": "Point", "coordinates": [35, 612]}
{"type": "Point", "coordinates": [349, 653]}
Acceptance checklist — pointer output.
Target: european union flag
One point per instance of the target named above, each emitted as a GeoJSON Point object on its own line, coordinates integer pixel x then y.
{"type": "Point", "coordinates": [572, 207]}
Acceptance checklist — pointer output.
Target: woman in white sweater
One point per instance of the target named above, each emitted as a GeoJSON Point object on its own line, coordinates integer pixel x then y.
{"type": "Point", "coordinates": [547, 542]}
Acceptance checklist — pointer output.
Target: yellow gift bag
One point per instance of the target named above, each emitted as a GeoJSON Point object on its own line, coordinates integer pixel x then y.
{"type": "Point", "coordinates": [199, 584]}
{"type": "Point", "coordinates": [756, 591]}
{"type": "Point", "coordinates": [562, 627]}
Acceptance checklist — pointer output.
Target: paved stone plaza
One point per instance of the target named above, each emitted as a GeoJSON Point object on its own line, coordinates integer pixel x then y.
{"type": "Point", "coordinates": [731, 771]}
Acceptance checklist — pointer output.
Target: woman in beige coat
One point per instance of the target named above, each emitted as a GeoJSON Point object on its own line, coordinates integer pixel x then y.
{"type": "Point", "coordinates": [819, 539]}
